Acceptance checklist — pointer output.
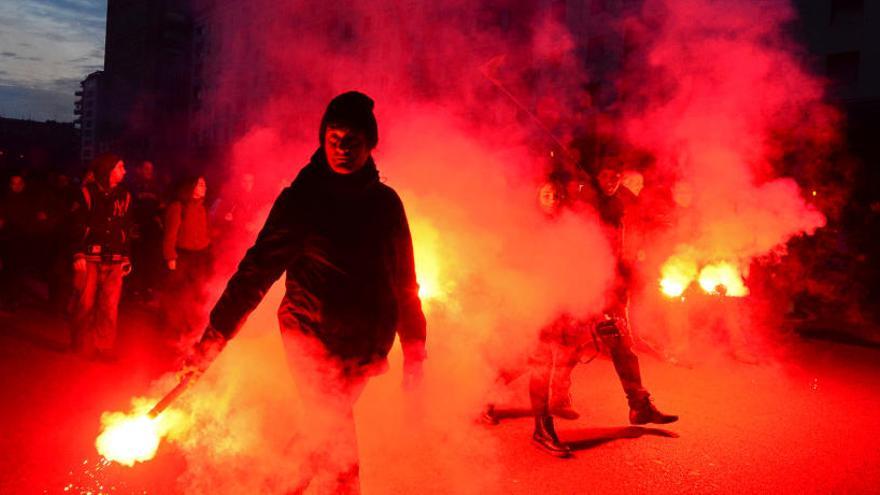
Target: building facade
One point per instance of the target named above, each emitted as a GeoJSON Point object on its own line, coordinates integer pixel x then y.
{"type": "Point", "coordinates": [146, 81]}
{"type": "Point", "coordinates": [89, 117]}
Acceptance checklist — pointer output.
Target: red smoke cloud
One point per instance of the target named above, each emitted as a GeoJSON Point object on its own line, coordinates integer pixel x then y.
{"type": "Point", "coordinates": [452, 92]}
{"type": "Point", "coordinates": [471, 98]}
{"type": "Point", "coordinates": [719, 92]}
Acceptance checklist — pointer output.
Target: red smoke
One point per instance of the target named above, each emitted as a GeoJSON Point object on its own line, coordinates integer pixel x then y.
{"type": "Point", "coordinates": [717, 93]}
{"type": "Point", "coordinates": [453, 92]}
{"type": "Point", "coordinates": [468, 114]}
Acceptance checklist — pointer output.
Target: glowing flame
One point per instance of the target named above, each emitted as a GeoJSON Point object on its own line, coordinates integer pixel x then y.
{"type": "Point", "coordinates": [133, 437]}
{"type": "Point", "coordinates": [676, 275]}
{"type": "Point", "coordinates": [128, 439]}
{"type": "Point", "coordinates": [721, 278]}
{"type": "Point", "coordinates": [724, 279]}
{"type": "Point", "coordinates": [427, 259]}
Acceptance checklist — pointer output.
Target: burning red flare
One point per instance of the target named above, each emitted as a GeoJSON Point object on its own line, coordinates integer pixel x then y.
{"type": "Point", "coordinates": [722, 278]}
{"type": "Point", "coordinates": [129, 439]}
{"type": "Point", "coordinates": [133, 437]}
{"type": "Point", "coordinates": [676, 275]}
{"type": "Point", "coordinates": [425, 250]}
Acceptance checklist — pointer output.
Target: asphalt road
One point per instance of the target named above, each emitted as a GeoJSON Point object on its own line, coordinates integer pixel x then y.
{"type": "Point", "coordinates": [809, 425]}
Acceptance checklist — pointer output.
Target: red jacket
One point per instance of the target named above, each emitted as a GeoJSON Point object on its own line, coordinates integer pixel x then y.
{"type": "Point", "coordinates": [186, 227]}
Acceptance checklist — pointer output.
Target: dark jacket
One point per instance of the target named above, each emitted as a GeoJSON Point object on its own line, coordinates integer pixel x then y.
{"type": "Point", "coordinates": [146, 207]}
{"type": "Point", "coordinates": [102, 223]}
{"type": "Point", "coordinates": [345, 243]}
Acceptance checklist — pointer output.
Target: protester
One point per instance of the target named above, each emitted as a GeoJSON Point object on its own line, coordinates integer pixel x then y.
{"type": "Point", "coordinates": [235, 212]}
{"type": "Point", "coordinates": [147, 241]}
{"type": "Point", "coordinates": [60, 199]}
{"type": "Point", "coordinates": [102, 221]}
{"type": "Point", "coordinates": [186, 247]}
{"type": "Point", "coordinates": [18, 217]}
{"type": "Point", "coordinates": [343, 238]}
{"type": "Point", "coordinates": [562, 343]}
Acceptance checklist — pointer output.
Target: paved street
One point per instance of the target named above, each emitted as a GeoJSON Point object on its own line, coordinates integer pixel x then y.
{"type": "Point", "coordinates": [809, 426]}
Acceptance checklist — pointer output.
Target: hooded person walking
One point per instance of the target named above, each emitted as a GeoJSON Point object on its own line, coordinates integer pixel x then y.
{"type": "Point", "coordinates": [102, 222]}
{"type": "Point", "coordinates": [343, 238]}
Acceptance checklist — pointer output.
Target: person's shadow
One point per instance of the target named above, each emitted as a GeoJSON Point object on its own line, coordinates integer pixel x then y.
{"type": "Point", "coordinates": [588, 438]}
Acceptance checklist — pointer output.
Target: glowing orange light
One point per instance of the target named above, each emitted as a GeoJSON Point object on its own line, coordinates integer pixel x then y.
{"type": "Point", "coordinates": [133, 437]}
{"type": "Point", "coordinates": [676, 275]}
{"type": "Point", "coordinates": [815, 193]}
{"type": "Point", "coordinates": [128, 439]}
{"type": "Point", "coordinates": [427, 259]}
{"type": "Point", "coordinates": [722, 279]}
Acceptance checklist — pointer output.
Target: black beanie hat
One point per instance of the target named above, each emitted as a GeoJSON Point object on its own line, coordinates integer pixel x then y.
{"type": "Point", "coordinates": [352, 110]}
{"type": "Point", "coordinates": [102, 165]}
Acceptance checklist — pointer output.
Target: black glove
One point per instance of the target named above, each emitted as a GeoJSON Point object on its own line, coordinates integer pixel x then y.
{"type": "Point", "coordinates": [610, 327]}
{"type": "Point", "coordinates": [414, 355]}
{"type": "Point", "coordinates": [204, 352]}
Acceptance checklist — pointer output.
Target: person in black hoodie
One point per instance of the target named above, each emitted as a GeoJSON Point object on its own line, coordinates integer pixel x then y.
{"type": "Point", "coordinates": [102, 224]}
{"type": "Point", "coordinates": [344, 240]}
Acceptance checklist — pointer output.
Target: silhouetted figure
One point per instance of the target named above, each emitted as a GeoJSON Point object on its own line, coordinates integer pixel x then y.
{"type": "Point", "coordinates": [18, 218]}
{"type": "Point", "coordinates": [562, 343]}
{"type": "Point", "coordinates": [60, 199]}
{"type": "Point", "coordinates": [147, 243]}
{"type": "Point", "coordinates": [235, 212]}
{"type": "Point", "coordinates": [344, 241]}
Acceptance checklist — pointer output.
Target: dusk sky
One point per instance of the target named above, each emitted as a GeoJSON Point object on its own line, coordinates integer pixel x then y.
{"type": "Point", "coordinates": [46, 48]}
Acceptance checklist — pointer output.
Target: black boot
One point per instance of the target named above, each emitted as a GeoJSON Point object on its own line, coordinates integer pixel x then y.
{"type": "Point", "coordinates": [545, 437]}
{"type": "Point", "coordinates": [643, 411]}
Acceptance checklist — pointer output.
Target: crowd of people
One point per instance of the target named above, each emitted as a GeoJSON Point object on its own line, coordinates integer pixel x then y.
{"type": "Point", "coordinates": [67, 243]}
{"type": "Point", "coordinates": [343, 239]}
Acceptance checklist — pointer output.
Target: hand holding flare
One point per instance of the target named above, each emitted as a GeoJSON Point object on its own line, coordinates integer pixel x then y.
{"type": "Point", "coordinates": [130, 438]}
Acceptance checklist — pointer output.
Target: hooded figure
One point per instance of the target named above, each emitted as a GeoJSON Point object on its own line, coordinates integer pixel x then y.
{"type": "Point", "coordinates": [102, 222]}
{"type": "Point", "coordinates": [342, 237]}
